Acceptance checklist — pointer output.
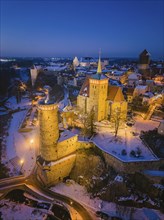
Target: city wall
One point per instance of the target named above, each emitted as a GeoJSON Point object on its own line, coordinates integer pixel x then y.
{"type": "Point", "coordinates": [56, 171]}
{"type": "Point", "coordinates": [131, 167]}
{"type": "Point", "coordinates": [66, 147]}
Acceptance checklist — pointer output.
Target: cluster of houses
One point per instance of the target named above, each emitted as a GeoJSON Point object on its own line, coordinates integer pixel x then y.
{"type": "Point", "coordinates": [133, 79]}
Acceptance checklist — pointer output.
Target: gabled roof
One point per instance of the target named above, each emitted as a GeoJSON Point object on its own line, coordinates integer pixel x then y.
{"type": "Point", "coordinates": [115, 94]}
{"type": "Point", "coordinates": [85, 87]}
{"type": "Point", "coordinates": [133, 76]}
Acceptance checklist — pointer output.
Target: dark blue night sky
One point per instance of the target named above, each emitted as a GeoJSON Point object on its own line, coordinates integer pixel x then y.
{"type": "Point", "coordinates": [80, 28]}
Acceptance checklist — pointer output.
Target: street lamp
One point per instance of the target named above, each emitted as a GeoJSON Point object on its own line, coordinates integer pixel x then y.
{"type": "Point", "coordinates": [22, 163]}
{"type": "Point", "coordinates": [31, 143]}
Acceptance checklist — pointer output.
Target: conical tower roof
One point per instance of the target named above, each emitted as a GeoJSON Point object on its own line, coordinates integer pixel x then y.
{"type": "Point", "coordinates": [99, 74]}
{"type": "Point", "coordinates": [99, 70]}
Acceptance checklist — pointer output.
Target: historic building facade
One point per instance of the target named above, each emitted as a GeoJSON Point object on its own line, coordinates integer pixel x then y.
{"type": "Point", "coordinates": [53, 147]}
{"type": "Point", "coordinates": [97, 95]}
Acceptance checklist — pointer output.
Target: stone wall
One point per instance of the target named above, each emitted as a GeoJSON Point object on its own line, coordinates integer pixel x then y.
{"type": "Point", "coordinates": [84, 145]}
{"type": "Point", "coordinates": [82, 102]}
{"type": "Point", "coordinates": [49, 131]}
{"type": "Point", "coordinates": [56, 171]}
{"type": "Point", "coordinates": [67, 147]}
{"type": "Point", "coordinates": [131, 167]}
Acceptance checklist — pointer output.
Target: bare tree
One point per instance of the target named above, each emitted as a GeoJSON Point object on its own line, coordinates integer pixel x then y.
{"type": "Point", "coordinates": [117, 118]}
{"type": "Point", "coordinates": [87, 120]}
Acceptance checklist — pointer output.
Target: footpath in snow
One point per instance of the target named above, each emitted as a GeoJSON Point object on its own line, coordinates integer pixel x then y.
{"type": "Point", "coordinates": [21, 148]}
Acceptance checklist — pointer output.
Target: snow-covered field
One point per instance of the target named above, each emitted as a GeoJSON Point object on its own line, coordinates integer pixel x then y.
{"type": "Point", "coordinates": [79, 193]}
{"type": "Point", "coordinates": [128, 139]}
{"type": "Point", "coordinates": [15, 211]}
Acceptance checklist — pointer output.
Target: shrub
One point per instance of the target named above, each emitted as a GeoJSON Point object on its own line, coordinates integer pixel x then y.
{"type": "Point", "coordinates": [132, 153]}
{"type": "Point", "coordinates": [123, 152]}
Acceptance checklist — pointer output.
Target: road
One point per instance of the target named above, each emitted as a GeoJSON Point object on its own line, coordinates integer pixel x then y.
{"type": "Point", "coordinates": [40, 192]}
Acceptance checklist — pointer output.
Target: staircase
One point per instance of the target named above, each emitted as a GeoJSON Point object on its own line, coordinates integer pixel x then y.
{"type": "Point", "coordinates": [150, 111]}
{"type": "Point", "coordinates": [158, 100]}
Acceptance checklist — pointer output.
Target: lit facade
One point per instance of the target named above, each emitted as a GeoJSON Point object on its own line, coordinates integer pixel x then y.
{"type": "Point", "coordinates": [96, 95]}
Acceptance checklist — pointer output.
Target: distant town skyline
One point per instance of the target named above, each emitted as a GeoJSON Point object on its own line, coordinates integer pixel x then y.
{"type": "Point", "coordinates": [69, 28]}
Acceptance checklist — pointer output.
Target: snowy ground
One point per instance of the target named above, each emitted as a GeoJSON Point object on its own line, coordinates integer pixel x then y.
{"type": "Point", "coordinates": [12, 104]}
{"type": "Point", "coordinates": [79, 193]}
{"type": "Point", "coordinates": [128, 139]}
{"type": "Point", "coordinates": [15, 211]}
{"type": "Point", "coordinates": [20, 152]}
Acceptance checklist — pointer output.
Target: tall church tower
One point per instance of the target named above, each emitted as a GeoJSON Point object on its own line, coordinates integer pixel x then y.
{"type": "Point", "coordinates": [49, 131]}
{"type": "Point", "coordinates": [98, 89]}
{"type": "Point", "coordinates": [93, 94]}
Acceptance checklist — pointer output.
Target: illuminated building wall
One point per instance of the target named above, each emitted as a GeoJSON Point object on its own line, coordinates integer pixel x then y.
{"type": "Point", "coordinates": [97, 98]}
{"type": "Point", "coordinates": [54, 172]}
{"type": "Point", "coordinates": [67, 146]}
{"type": "Point", "coordinates": [120, 107]}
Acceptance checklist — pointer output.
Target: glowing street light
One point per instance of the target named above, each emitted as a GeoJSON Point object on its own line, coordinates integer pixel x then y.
{"type": "Point", "coordinates": [22, 163]}
{"type": "Point", "coordinates": [31, 143]}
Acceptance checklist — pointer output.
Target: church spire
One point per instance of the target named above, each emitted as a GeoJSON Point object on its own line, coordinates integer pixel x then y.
{"type": "Point", "coordinates": [99, 70]}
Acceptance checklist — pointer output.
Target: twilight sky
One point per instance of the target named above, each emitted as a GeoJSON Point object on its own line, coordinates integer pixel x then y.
{"type": "Point", "coordinates": [80, 28]}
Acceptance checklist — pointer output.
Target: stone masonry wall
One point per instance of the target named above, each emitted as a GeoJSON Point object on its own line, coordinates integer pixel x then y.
{"type": "Point", "coordinates": [131, 167]}
{"type": "Point", "coordinates": [67, 147]}
{"type": "Point", "coordinates": [55, 173]}
{"type": "Point", "coordinates": [49, 131]}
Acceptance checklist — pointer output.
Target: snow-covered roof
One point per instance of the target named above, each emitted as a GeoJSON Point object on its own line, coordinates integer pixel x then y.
{"type": "Point", "coordinates": [66, 135]}
{"type": "Point", "coordinates": [148, 94]}
{"type": "Point", "coordinates": [87, 59]}
{"type": "Point", "coordinates": [141, 87]}
{"type": "Point", "coordinates": [55, 68]}
{"type": "Point", "coordinates": [114, 82]}
{"type": "Point", "coordinates": [118, 73]}
{"type": "Point", "coordinates": [133, 76]}
{"type": "Point", "coordinates": [85, 88]}
{"type": "Point", "coordinates": [119, 178]}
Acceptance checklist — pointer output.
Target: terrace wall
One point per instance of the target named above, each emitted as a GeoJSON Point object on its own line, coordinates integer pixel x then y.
{"type": "Point", "coordinates": [131, 167]}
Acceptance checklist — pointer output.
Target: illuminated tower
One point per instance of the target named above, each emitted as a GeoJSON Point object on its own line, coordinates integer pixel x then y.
{"type": "Point", "coordinates": [49, 131]}
{"type": "Point", "coordinates": [98, 87]}
{"type": "Point", "coordinates": [93, 94]}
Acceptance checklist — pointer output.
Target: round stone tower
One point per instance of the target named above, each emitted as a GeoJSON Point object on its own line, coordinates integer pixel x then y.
{"type": "Point", "coordinates": [49, 131]}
